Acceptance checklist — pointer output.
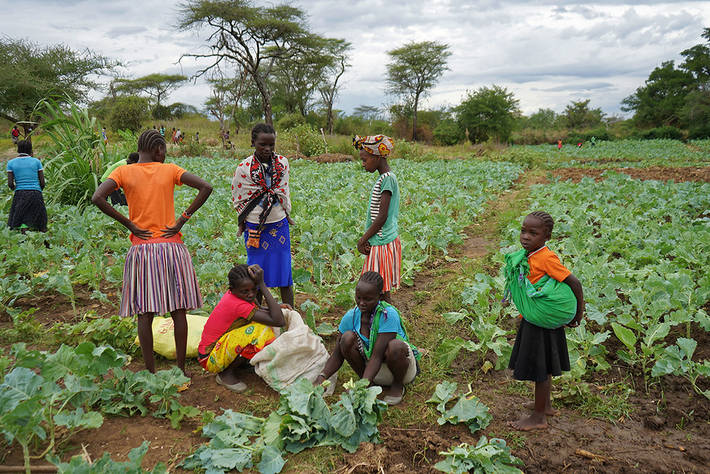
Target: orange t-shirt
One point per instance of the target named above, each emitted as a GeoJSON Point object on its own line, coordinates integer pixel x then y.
{"type": "Point", "coordinates": [149, 189]}
{"type": "Point", "coordinates": [543, 262]}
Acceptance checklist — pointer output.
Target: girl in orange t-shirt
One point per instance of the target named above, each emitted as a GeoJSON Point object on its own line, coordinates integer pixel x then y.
{"type": "Point", "coordinates": [538, 353]}
{"type": "Point", "coordinates": [158, 276]}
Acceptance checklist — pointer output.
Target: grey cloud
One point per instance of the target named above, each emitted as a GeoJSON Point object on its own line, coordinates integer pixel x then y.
{"type": "Point", "coordinates": [119, 31]}
{"type": "Point", "coordinates": [69, 27]}
{"type": "Point", "coordinates": [577, 87]}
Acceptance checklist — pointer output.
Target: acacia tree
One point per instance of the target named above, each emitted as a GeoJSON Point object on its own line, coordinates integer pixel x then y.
{"type": "Point", "coordinates": [316, 68]}
{"type": "Point", "coordinates": [156, 86]}
{"type": "Point", "coordinates": [253, 37]}
{"type": "Point", "coordinates": [328, 88]}
{"type": "Point", "coordinates": [226, 94]}
{"type": "Point", "coordinates": [30, 73]}
{"type": "Point", "coordinates": [415, 68]}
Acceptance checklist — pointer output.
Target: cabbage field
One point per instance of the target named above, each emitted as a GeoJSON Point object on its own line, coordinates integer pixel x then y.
{"type": "Point", "coordinates": [73, 396]}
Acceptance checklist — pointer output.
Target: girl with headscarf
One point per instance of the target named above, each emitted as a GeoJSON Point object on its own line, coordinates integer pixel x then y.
{"type": "Point", "coordinates": [380, 242]}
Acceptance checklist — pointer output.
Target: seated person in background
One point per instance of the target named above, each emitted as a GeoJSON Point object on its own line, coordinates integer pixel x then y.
{"type": "Point", "coordinates": [237, 329]}
{"type": "Point", "coordinates": [374, 342]}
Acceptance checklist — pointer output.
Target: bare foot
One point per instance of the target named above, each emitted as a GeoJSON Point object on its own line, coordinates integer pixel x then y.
{"type": "Point", "coordinates": [549, 411]}
{"type": "Point", "coordinates": [533, 422]}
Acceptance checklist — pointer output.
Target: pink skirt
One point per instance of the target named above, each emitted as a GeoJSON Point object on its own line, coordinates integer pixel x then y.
{"type": "Point", "coordinates": [387, 261]}
{"type": "Point", "coordinates": [159, 278]}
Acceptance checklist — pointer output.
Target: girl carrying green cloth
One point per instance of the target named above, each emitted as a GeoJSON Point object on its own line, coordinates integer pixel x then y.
{"type": "Point", "coordinates": [549, 297]}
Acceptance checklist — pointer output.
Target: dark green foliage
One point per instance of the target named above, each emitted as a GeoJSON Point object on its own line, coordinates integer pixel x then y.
{"type": "Point", "coordinates": [488, 114]}
{"type": "Point", "coordinates": [676, 96]}
{"type": "Point", "coordinates": [156, 86]}
{"type": "Point", "coordinates": [669, 132]}
{"type": "Point", "coordinates": [128, 113]}
{"type": "Point", "coordinates": [578, 115]}
{"type": "Point", "coordinates": [659, 101]}
{"type": "Point", "coordinates": [30, 73]}
{"type": "Point", "coordinates": [448, 133]}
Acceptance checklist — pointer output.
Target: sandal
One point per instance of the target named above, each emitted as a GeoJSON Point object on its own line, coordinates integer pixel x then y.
{"type": "Point", "coordinates": [238, 387]}
{"type": "Point", "coordinates": [390, 400]}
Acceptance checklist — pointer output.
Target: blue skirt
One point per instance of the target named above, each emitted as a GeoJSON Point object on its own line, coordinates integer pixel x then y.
{"type": "Point", "coordinates": [273, 253]}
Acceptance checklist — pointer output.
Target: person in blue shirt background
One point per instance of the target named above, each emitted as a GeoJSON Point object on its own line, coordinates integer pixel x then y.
{"type": "Point", "coordinates": [25, 176]}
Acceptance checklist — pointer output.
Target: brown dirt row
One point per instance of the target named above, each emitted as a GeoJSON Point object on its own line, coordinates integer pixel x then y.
{"type": "Point", "coordinates": [660, 173]}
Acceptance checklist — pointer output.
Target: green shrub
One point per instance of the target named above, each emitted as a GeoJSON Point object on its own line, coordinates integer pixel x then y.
{"type": "Point", "coordinates": [448, 133]}
{"type": "Point", "coordinates": [128, 113]}
{"type": "Point", "coordinates": [701, 130]}
{"type": "Point", "coordinates": [668, 132]}
{"type": "Point", "coordinates": [290, 121]}
{"type": "Point", "coordinates": [301, 139]}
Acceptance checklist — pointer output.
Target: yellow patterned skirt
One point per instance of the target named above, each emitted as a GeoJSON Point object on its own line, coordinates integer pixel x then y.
{"type": "Point", "coordinates": [245, 342]}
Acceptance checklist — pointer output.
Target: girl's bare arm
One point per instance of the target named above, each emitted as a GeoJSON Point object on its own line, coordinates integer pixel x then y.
{"type": "Point", "coordinates": [99, 199]}
{"type": "Point", "coordinates": [335, 361]}
{"type": "Point", "coordinates": [576, 287]}
{"type": "Point", "coordinates": [205, 189]}
{"type": "Point", "coordinates": [378, 222]}
{"type": "Point", "coordinates": [274, 316]}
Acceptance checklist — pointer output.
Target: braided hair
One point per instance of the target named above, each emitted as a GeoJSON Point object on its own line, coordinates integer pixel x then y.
{"type": "Point", "coordinates": [374, 279]}
{"type": "Point", "coordinates": [150, 140]}
{"type": "Point", "coordinates": [24, 146]}
{"type": "Point", "coordinates": [261, 128]}
{"type": "Point", "coordinates": [545, 218]}
{"type": "Point", "coordinates": [238, 273]}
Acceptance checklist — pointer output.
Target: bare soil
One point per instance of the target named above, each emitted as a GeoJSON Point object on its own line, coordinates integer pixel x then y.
{"type": "Point", "coordinates": [694, 173]}
{"type": "Point", "coordinates": [667, 429]}
{"type": "Point", "coordinates": [329, 158]}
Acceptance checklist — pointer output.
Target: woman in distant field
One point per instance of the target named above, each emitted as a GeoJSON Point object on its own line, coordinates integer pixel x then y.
{"type": "Point", "coordinates": [25, 176]}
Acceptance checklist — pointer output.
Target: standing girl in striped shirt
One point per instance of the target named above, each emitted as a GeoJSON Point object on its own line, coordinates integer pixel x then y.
{"type": "Point", "coordinates": [158, 276]}
{"type": "Point", "coordinates": [380, 242]}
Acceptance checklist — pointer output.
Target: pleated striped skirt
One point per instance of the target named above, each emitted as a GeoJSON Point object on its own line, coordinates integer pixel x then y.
{"type": "Point", "coordinates": [387, 261]}
{"type": "Point", "coordinates": [159, 278]}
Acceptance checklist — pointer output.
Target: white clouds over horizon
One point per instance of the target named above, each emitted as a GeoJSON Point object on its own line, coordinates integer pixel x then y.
{"type": "Point", "coordinates": [547, 54]}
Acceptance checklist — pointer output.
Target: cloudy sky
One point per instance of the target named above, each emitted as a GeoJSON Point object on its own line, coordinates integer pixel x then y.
{"type": "Point", "coordinates": [547, 54]}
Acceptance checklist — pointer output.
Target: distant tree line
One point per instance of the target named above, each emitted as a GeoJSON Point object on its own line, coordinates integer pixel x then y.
{"type": "Point", "coordinates": [266, 65]}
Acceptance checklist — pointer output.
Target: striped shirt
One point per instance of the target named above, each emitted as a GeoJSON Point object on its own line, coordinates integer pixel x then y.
{"type": "Point", "coordinates": [389, 231]}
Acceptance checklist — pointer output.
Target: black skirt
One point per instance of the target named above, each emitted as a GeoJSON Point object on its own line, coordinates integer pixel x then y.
{"type": "Point", "coordinates": [538, 353]}
{"type": "Point", "coordinates": [28, 208]}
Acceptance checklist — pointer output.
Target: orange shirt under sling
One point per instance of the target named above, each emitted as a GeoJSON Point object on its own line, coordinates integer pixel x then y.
{"type": "Point", "coordinates": [149, 189]}
{"type": "Point", "coordinates": [543, 261]}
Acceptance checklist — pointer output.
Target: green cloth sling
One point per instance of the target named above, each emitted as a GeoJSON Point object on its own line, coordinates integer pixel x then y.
{"type": "Point", "coordinates": [549, 303]}
{"type": "Point", "coordinates": [375, 326]}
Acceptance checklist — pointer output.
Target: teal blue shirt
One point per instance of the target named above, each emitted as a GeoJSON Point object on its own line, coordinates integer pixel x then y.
{"type": "Point", "coordinates": [24, 170]}
{"type": "Point", "coordinates": [389, 231]}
